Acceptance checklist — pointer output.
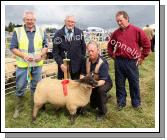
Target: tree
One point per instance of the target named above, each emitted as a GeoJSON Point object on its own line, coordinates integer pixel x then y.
{"type": "Point", "coordinates": [10, 27]}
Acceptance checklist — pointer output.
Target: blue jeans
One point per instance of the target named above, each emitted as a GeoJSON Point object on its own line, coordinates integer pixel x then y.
{"type": "Point", "coordinates": [21, 79]}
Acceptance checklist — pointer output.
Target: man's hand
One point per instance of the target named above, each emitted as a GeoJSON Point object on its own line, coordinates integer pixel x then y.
{"type": "Point", "coordinates": [63, 68]}
{"type": "Point", "coordinates": [37, 58]}
{"type": "Point", "coordinates": [139, 62]}
{"type": "Point", "coordinates": [28, 58]}
{"type": "Point", "coordinates": [100, 83]}
{"type": "Point", "coordinates": [81, 76]}
{"type": "Point", "coordinates": [113, 56]}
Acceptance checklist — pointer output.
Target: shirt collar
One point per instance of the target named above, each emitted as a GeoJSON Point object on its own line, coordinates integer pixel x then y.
{"type": "Point", "coordinates": [96, 60]}
{"type": "Point", "coordinates": [66, 30]}
{"type": "Point", "coordinates": [125, 28]}
{"type": "Point", "coordinates": [27, 30]}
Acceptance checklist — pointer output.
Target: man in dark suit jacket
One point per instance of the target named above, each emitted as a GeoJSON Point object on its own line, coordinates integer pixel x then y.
{"type": "Point", "coordinates": [69, 40]}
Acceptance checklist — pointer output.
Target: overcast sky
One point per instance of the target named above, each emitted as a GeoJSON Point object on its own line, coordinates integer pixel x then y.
{"type": "Point", "coordinates": [86, 15]}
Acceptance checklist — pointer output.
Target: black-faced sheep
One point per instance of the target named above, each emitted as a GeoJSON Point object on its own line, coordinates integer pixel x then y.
{"type": "Point", "coordinates": [73, 94]}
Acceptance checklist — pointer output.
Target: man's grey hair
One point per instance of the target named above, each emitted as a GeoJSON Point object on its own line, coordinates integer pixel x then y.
{"type": "Point", "coordinates": [29, 12]}
{"type": "Point", "coordinates": [70, 16]}
{"type": "Point", "coordinates": [93, 42]}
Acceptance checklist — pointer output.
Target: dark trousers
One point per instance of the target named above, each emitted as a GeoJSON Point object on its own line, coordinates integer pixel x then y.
{"type": "Point", "coordinates": [153, 44]}
{"type": "Point", "coordinates": [98, 97]}
{"type": "Point", "coordinates": [127, 69]}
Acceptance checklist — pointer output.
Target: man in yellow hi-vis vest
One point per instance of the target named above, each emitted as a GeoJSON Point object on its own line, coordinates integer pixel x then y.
{"type": "Point", "coordinates": [98, 67]}
{"type": "Point", "coordinates": [30, 46]}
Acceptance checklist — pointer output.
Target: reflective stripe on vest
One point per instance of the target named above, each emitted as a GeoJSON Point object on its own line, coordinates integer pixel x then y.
{"type": "Point", "coordinates": [23, 44]}
{"type": "Point", "coordinates": [97, 67]}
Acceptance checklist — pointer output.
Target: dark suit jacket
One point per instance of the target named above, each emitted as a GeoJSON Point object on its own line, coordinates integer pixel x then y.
{"type": "Point", "coordinates": [75, 49]}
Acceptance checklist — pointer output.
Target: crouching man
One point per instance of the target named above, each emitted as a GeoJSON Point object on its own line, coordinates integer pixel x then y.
{"type": "Point", "coordinates": [98, 67]}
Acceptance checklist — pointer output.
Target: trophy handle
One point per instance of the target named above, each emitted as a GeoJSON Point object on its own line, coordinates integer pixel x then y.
{"type": "Point", "coordinates": [66, 62]}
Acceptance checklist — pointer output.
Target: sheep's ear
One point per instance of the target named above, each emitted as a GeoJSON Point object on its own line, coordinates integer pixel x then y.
{"type": "Point", "coordinates": [92, 74]}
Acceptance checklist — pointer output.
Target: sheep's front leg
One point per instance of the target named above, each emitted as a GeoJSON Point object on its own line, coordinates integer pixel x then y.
{"type": "Point", "coordinates": [72, 119]}
{"type": "Point", "coordinates": [72, 110]}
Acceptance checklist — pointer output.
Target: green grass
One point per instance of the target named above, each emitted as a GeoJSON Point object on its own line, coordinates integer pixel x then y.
{"type": "Point", "coordinates": [127, 118]}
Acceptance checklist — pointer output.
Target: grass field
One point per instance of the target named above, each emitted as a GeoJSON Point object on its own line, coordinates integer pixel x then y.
{"type": "Point", "coordinates": [126, 118]}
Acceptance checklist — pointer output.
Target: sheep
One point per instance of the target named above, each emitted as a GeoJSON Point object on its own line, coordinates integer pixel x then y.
{"type": "Point", "coordinates": [51, 90]}
{"type": "Point", "coordinates": [49, 70]}
{"type": "Point", "coordinates": [10, 69]}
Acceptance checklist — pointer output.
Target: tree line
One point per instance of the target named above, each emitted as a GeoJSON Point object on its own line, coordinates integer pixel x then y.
{"type": "Point", "coordinates": [10, 27]}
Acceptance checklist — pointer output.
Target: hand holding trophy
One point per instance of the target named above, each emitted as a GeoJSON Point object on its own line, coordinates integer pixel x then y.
{"type": "Point", "coordinates": [66, 62]}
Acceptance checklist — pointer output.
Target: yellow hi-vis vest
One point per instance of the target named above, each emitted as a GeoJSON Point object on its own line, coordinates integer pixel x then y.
{"type": "Point", "coordinates": [23, 44]}
{"type": "Point", "coordinates": [97, 67]}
